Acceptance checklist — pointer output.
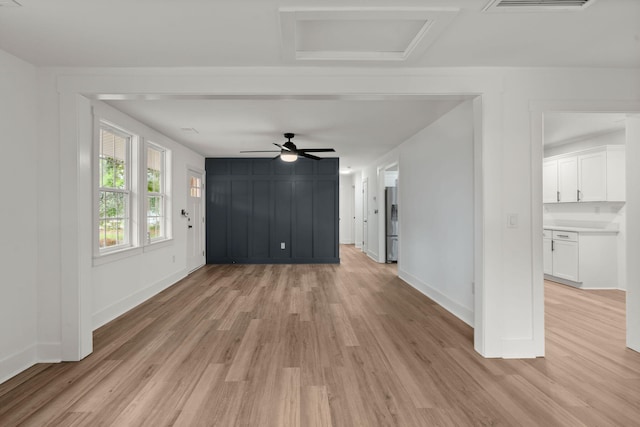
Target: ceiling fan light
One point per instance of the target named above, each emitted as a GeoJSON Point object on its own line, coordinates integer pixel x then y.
{"type": "Point", "coordinates": [289, 157]}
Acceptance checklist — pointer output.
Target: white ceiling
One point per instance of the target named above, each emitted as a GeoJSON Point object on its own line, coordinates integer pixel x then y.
{"type": "Point", "coordinates": [562, 128]}
{"type": "Point", "coordinates": [248, 32]}
{"type": "Point", "coordinates": [196, 33]}
{"type": "Point", "coordinates": [360, 130]}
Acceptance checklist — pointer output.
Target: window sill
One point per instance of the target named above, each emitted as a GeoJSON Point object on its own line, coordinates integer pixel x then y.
{"type": "Point", "coordinates": [158, 245]}
{"type": "Point", "coordinates": [116, 255]}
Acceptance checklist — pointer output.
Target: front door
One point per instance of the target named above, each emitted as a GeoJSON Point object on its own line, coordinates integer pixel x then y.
{"type": "Point", "coordinates": [195, 221]}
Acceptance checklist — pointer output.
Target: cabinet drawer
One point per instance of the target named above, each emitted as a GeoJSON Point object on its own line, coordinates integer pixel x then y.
{"type": "Point", "coordinates": [547, 234]}
{"type": "Point", "coordinates": [571, 236]}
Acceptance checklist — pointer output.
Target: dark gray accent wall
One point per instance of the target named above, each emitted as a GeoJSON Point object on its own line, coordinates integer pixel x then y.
{"type": "Point", "coordinates": [253, 205]}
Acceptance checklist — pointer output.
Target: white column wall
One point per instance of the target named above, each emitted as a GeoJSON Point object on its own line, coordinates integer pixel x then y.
{"type": "Point", "coordinates": [357, 188]}
{"type": "Point", "coordinates": [633, 232]}
{"type": "Point", "coordinates": [346, 210]}
{"type": "Point", "coordinates": [19, 215]}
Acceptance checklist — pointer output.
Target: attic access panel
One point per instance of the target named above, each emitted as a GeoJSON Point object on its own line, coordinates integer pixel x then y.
{"type": "Point", "coordinates": [361, 34]}
{"type": "Point", "coordinates": [536, 5]}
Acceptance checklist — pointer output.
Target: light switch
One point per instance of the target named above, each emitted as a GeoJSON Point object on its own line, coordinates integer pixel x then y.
{"type": "Point", "coordinates": [281, 245]}
{"type": "Point", "coordinates": [512, 220]}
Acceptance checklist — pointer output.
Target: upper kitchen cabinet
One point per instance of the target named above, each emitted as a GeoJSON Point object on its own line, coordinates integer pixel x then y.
{"type": "Point", "coordinates": [594, 175]}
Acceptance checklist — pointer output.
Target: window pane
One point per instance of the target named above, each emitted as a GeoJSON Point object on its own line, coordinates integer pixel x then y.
{"type": "Point", "coordinates": [195, 185]}
{"type": "Point", "coordinates": [154, 169]}
{"type": "Point", "coordinates": [113, 158]}
{"type": "Point", "coordinates": [155, 184]}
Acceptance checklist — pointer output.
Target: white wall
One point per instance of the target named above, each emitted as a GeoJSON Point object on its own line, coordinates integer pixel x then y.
{"type": "Point", "coordinates": [611, 138]}
{"type": "Point", "coordinates": [436, 218]}
{"type": "Point", "coordinates": [593, 214]}
{"type": "Point", "coordinates": [357, 188]}
{"type": "Point", "coordinates": [19, 215]}
{"type": "Point", "coordinates": [391, 178]}
{"type": "Point", "coordinates": [121, 285]}
{"type": "Point", "coordinates": [633, 231]}
{"type": "Point", "coordinates": [347, 208]}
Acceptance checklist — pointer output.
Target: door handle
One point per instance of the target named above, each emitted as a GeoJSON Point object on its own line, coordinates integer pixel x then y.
{"type": "Point", "coordinates": [552, 246]}
{"type": "Point", "coordinates": [191, 226]}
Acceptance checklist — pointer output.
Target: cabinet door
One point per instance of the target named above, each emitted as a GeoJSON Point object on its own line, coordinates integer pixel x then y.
{"type": "Point", "coordinates": [547, 256]}
{"type": "Point", "coordinates": [592, 177]}
{"type": "Point", "coordinates": [568, 179]}
{"type": "Point", "coordinates": [565, 260]}
{"type": "Point", "coordinates": [550, 181]}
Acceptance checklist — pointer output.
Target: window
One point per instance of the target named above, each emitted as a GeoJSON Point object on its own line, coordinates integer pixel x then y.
{"type": "Point", "coordinates": [195, 187]}
{"type": "Point", "coordinates": [114, 189]}
{"type": "Point", "coordinates": [132, 193]}
{"type": "Point", "coordinates": [156, 195]}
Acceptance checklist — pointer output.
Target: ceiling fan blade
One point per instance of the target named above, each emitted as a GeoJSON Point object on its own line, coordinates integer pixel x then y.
{"type": "Point", "coordinates": [317, 150]}
{"type": "Point", "coordinates": [261, 151]}
{"type": "Point", "coordinates": [281, 147]}
{"type": "Point", "coordinates": [308, 156]}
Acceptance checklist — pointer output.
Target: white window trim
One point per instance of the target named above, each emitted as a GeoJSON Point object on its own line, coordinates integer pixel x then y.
{"type": "Point", "coordinates": [131, 161]}
{"type": "Point", "coordinates": [165, 194]}
{"type": "Point", "coordinates": [137, 179]}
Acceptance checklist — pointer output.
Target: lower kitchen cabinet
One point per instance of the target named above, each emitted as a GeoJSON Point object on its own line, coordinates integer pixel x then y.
{"type": "Point", "coordinates": [583, 259]}
{"type": "Point", "coordinates": [561, 257]}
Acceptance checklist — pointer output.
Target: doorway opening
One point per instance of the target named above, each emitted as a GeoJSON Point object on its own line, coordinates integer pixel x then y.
{"type": "Point", "coordinates": [584, 232]}
{"type": "Point", "coordinates": [391, 218]}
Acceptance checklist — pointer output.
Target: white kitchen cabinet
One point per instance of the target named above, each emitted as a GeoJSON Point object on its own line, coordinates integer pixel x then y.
{"type": "Point", "coordinates": [568, 179]}
{"type": "Point", "coordinates": [565, 255]}
{"type": "Point", "coordinates": [585, 259]}
{"type": "Point", "coordinates": [594, 175]}
{"type": "Point", "coordinates": [550, 192]}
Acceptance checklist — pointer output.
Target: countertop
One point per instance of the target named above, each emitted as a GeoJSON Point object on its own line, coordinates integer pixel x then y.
{"type": "Point", "coordinates": [581, 229]}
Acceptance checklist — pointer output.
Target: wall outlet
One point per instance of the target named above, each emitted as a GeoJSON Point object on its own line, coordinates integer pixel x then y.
{"type": "Point", "coordinates": [281, 245]}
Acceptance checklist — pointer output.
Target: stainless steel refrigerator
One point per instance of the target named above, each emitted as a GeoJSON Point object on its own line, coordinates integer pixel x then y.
{"type": "Point", "coordinates": [391, 206]}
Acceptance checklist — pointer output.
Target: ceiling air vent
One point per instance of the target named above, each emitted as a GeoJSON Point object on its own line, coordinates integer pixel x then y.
{"type": "Point", "coordinates": [536, 5]}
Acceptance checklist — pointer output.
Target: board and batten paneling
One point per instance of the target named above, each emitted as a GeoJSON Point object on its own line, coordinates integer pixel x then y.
{"type": "Point", "coordinates": [256, 205]}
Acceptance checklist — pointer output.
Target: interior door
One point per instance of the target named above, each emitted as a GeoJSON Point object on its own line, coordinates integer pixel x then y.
{"type": "Point", "coordinates": [195, 221]}
{"type": "Point", "coordinates": [365, 214]}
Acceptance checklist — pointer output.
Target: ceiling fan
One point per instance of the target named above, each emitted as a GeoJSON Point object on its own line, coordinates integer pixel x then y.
{"type": "Point", "coordinates": [290, 153]}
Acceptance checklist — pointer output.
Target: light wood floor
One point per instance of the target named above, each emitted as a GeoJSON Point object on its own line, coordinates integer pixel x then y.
{"type": "Point", "coordinates": [341, 345]}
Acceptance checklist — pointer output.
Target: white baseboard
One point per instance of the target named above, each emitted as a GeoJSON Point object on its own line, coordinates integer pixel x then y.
{"type": "Point", "coordinates": [12, 365]}
{"type": "Point", "coordinates": [373, 256]}
{"type": "Point", "coordinates": [520, 348]}
{"type": "Point", "coordinates": [49, 352]}
{"type": "Point", "coordinates": [461, 312]}
{"type": "Point", "coordinates": [106, 315]}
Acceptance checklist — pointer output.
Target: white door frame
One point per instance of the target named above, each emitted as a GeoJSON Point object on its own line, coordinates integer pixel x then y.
{"type": "Point", "coordinates": [200, 215]}
{"type": "Point", "coordinates": [537, 111]}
